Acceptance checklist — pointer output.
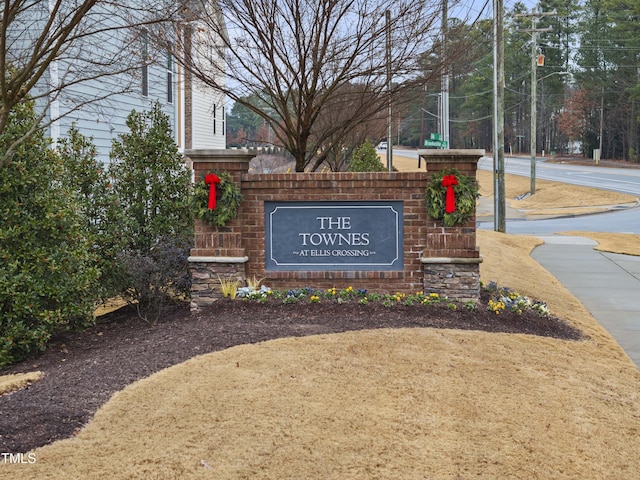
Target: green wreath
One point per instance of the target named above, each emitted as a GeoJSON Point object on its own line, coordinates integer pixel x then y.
{"type": "Point", "coordinates": [466, 193]}
{"type": "Point", "coordinates": [228, 199]}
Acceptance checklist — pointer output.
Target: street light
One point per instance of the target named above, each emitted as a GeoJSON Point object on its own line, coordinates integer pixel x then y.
{"type": "Point", "coordinates": [534, 118]}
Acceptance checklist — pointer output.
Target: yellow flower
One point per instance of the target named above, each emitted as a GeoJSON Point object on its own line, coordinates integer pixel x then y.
{"type": "Point", "coordinates": [496, 307]}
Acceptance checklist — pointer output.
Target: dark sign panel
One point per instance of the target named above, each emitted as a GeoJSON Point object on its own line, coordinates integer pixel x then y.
{"type": "Point", "coordinates": [341, 236]}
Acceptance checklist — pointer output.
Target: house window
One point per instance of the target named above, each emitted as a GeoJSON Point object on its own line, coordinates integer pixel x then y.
{"type": "Point", "coordinates": [145, 66]}
{"type": "Point", "coordinates": [169, 78]}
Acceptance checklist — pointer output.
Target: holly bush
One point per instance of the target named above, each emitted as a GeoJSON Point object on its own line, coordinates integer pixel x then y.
{"type": "Point", "coordinates": [102, 215]}
{"type": "Point", "coordinates": [48, 268]}
{"type": "Point", "coordinates": [153, 187]}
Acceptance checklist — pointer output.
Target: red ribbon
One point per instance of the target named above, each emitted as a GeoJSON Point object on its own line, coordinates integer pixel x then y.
{"type": "Point", "coordinates": [212, 180]}
{"type": "Point", "coordinates": [450, 199]}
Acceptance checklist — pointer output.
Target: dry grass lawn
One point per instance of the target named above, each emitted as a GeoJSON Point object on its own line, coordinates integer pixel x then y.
{"type": "Point", "coordinates": [624, 243]}
{"type": "Point", "coordinates": [10, 383]}
{"type": "Point", "coordinates": [553, 198]}
{"type": "Point", "coordinates": [402, 404]}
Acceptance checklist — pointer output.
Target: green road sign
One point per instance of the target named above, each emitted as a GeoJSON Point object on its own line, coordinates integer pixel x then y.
{"type": "Point", "coordinates": [436, 143]}
{"type": "Point", "coordinates": [435, 136]}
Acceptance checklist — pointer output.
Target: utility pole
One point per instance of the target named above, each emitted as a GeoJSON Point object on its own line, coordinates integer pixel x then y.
{"type": "Point", "coordinates": [534, 85]}
{"type": "Point", "coordinates": [389, 116]}
{"type": "Point", "coordinates": [499, 209]}
{"type": "Point", "coordinates": [444, 104]}
{"type": "Point", "coordinates": [599, 155]}
{"type": "Point", "coordinates": [422, 109]}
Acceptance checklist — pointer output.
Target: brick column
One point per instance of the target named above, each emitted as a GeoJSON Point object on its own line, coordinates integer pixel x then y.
{"type": "Point", "coordinates": [218, 251]}
{"type": "Point", "coordinates": [451, 260]}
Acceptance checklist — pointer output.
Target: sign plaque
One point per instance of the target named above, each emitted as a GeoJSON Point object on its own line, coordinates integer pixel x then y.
{"type": "Point", "coordinates": [330, 236]}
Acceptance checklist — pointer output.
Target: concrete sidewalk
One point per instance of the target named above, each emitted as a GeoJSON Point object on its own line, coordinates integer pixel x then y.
{"type": "Point", "coordinates": [608, 284]}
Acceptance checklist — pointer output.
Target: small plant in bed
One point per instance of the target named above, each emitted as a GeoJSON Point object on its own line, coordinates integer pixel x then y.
{"type": "Point", "coordinates": [498, 299]}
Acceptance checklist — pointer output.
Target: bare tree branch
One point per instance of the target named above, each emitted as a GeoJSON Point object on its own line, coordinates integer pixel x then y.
{"type": "Point", "coordinates": [52, 46]}
{"type": "Point", "coordinates": [304, 57]}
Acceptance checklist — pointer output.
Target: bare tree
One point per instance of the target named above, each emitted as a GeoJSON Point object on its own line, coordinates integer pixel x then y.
{"type": "Point", "coordinates": [336, 149]}
{"type": "Point", "coordinates": [47, 47]}
{"type": "Point", "coordinates": [305, 57]}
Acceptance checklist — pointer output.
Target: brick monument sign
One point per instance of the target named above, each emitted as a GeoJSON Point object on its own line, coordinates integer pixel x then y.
{"type": "Point", "coordinates": [322, 230]}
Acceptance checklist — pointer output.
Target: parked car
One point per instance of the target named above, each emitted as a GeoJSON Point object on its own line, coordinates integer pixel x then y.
{"type": "Point", "coordinates": [382, 146]}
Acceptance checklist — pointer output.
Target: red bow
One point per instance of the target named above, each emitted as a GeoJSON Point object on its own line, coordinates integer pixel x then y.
{"type": "Point", "coordinates": [450, 200]}
{"type": "Point", "coordinates": [212, 180]}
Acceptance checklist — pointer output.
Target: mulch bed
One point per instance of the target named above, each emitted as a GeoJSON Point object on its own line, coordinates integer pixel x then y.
{"type": "Point", "coordinates": [82, 370]}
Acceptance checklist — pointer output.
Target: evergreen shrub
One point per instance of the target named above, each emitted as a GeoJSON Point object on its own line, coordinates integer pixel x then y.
{"type": "Point", "coordinates": [48, 274]}
{"type": "Point", "coordinates": [153, 187]}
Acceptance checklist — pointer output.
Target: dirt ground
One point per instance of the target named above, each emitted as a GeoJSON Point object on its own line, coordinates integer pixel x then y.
{"type": "Point", "coordinates": [371, 402]}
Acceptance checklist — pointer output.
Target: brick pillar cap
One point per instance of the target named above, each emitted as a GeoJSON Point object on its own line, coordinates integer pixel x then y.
{"type": "Point", "coordinates": [211, 155]}
{"type": "Point", "coordinates": [451, 156]}
{"type": "Point", "coordinates": [449, 260]}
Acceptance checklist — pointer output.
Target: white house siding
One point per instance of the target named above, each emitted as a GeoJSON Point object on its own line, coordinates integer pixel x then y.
{"type": "Point", "coordinates": [209, 122]}
{"type": "Point", "coordinates": [105, 120]}
{"type": "Point", "coordinates": [100, 106]}
{"type": "Point", "coordinates": [208, 112]}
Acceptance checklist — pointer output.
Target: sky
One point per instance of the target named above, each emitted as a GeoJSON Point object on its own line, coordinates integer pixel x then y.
{"type": "Point", "coordinates": [471, 9]}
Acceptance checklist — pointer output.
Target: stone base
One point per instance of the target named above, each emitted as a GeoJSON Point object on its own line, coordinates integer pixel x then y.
{"type": "Point", "coordinates": [206, 273]}
{"type": "Point", "coordinates": [455, 278]}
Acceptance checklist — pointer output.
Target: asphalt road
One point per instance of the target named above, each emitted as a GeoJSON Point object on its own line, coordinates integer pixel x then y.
{"type": "Point", "coordinates": [623, 221]}
{"type": "Point", "coordinates": [624, 180]}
